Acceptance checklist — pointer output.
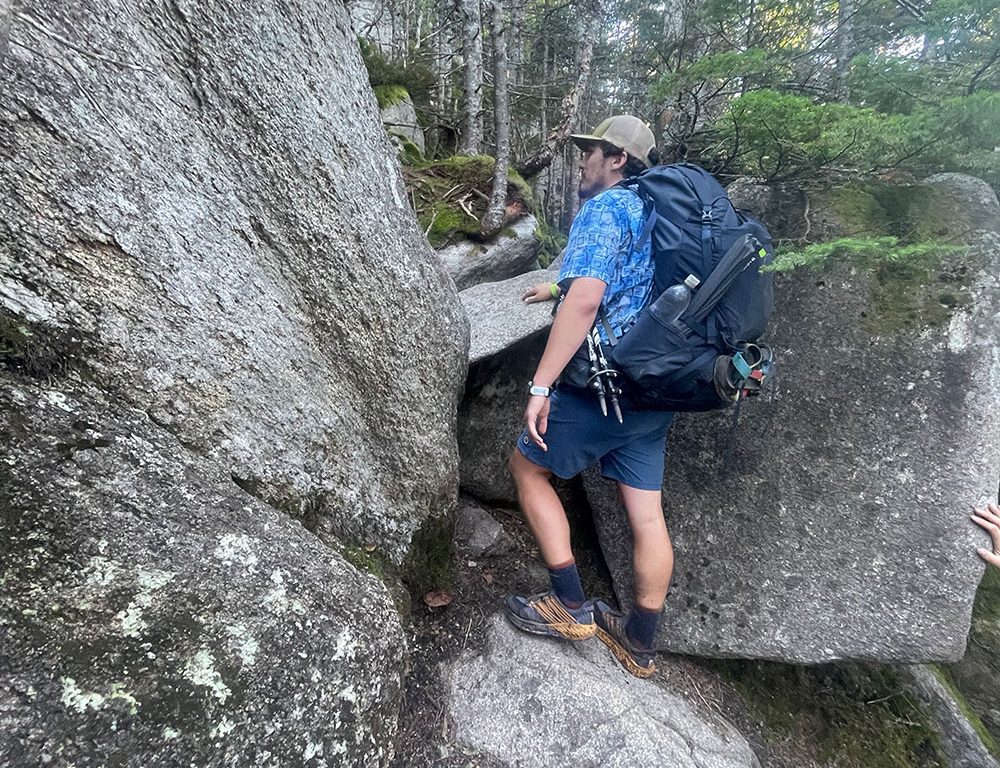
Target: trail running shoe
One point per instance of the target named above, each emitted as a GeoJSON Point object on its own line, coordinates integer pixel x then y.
{"type": "Point", "coordinates": [611, 631]}
{"type": "Point", "coordinates": [545, 614]}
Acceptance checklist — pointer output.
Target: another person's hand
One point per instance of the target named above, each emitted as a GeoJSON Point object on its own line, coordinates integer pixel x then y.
{"type": "Point", "coordinates": [989, 519]}
{"type": "Point", "coordinates": [536, 419]}
{"type": "Point", "coordinates": [540, 292]}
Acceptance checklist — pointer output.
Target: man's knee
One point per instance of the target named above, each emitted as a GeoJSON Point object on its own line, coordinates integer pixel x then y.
{"type": "Point", "coordinates": [644, 508]}
{"type": "Point", "coordinates": [524, 470]}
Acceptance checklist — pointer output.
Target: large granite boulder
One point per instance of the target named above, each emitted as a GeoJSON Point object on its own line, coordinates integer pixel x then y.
{"type": "Point", "coordinates": [528, 701]}
{"type": "Point", "coordinates": [400, 117]}
{"type": "Point", "coordinates": [513, 253]}
{"type": "Point", "coordinates": [216, 203]}
{"type": "Point", "coordinates": [508, 337]}
{"type": "Point", "coordinates": [833, 522]}
{"type": "Point", "coordinates": [153, 614]}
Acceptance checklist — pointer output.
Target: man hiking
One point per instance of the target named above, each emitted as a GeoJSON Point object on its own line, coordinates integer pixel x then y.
{"type": "Point", "coordinates": [604, 270]}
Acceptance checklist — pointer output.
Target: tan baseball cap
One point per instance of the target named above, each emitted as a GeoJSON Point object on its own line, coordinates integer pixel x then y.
{"type": "Point", "coordinates": [622, 131]}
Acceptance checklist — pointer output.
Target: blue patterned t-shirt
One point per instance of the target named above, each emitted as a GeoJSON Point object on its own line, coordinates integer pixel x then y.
{"type": "Point", "coordinates": [601, 245]}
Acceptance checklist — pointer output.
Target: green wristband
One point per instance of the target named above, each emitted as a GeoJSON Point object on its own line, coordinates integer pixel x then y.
{"type": "Point", "coordinates": [554, 290]}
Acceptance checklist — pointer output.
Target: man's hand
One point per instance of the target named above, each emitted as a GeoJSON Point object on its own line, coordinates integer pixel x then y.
{"type": "Point", "coordinates": [989, 519]}
{"type": "Point", "coordinates": [536, 419]}
{"type": "Point", "coordinates": [537, 293]}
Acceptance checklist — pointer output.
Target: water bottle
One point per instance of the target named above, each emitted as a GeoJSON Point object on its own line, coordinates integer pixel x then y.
{"type": "Point", "coordinates": [670, 304]}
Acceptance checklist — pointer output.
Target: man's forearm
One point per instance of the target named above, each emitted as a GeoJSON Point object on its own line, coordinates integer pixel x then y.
{"type": "Point", "coordinates": [570, 327]}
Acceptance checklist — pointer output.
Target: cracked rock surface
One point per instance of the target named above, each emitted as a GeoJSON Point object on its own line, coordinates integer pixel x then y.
{"type": "Point", "coordinates": [214, 199]}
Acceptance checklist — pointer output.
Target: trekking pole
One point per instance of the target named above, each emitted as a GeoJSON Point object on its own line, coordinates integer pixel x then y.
{"type": "Point", "coordinates": [596, 380]}
{"type": "Point", "coordinates": [609, 376]}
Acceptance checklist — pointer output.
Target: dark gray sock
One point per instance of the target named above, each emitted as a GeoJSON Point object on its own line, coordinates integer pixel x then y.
{"type": "Point", "coordinates": [566, 585]}
{"type": "Point", "coordinates": [640, 627]}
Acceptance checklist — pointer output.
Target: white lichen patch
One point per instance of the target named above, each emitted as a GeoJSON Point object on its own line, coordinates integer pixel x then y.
{"type": "Point", "coordinates": [152, 579]}
{"type": "Point", "coordinates": [119, 693]}
{"type": "Point", "coordinates": [18, 395]}
{"type": "Point", "coordinates": [224, 728]}
{"type": "Point", "coordinates": [149, 580]}
{"type": "Point", "coordinates": [313, 749]}
{"type": "Point", "coordinates": [236, 549]}
{"type": "Point", "coordinates": [170, 734]}
{"type": "Point", "coordinates": [338, 748]}
{"type": "Point", "coordinates": [959, 332]}
{"type": "Point", "coordinates": [75, 698]}
{"type": "Point", "coordinates": [244, 643]}
{"type": "Point", "coordinates": [56, 399]}
{"type": "Point", "coordinates": [345, 646]}
{"type": "Point", "coordinates": [277, 598]}
{"type": "Point", "coordinates": [200, 670]}
{"type": "Point", "coordinates": [100, 571]}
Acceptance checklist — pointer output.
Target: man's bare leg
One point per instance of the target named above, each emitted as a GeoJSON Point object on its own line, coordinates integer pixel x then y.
{"type": "Point", "coordinates": [653, 555]}
{"type": "Point", "coordinates": [564, 611]}
{"type": "Point", "coordinates": [652, 560]}
{"type": "Point", "coordinates": [542, 509]}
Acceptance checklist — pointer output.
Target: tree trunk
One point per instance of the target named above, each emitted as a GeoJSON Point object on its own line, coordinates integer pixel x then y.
{"type": "Point", "coordinates": [472, 54]}
{"type": "Point", "coordinates": [494, 217]}
{"type": "Point", "coordinates": [845, 47]}
{"type": "Point", "coordinates": [532, 165]}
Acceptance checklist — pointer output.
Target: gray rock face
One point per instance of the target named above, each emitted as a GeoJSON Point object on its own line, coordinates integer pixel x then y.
{"type": "Point", "coordinates": [400, 119]}
{"type": "Point", "coordinates": [499, 319]}
{"type": "Point", "coordinates": [471, 263]}
{"type": "Point", "coordinates": [833, 523]}
{"type": "Point", "coordinates": [490, 419]}
{"type": "Point", "coordinates": [508, 337]}
{"type": "Point", "coordinates": [530, 702]}
{"type": "Point", "coordinates": [218, 207]}
{"type": "Point", "coordinates": [152, 614]}
{"type": "Point", "coordinates": [477, 533]}
{"type": "Point", "coordinates": [959, 740]}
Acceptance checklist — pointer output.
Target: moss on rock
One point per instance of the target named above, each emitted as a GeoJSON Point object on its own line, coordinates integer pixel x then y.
{"type": "Point", "coordinates": [428, 566]}
{"type": "Point", "coordinates": [977, 675]}
{"type": "Point", "coordinates": [387, 95]}
{"type": "Point", "coordinates": [851, 715]}
{"type": "Point", "coordinates": [451, 195]}
{"type": "Point", "coordinates": [36, 350]}
{"type": "Point", "coordinates": [906, 238]}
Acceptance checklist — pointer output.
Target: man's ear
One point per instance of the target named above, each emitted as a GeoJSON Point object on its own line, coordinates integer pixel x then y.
{"type": "Point", "coordinates": [618, 161]}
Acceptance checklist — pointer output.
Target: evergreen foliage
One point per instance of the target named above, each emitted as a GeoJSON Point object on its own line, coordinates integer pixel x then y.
{"type": "Point", "coordinates": [386, 74]}
{"type": "Point", "coordinates": [862, 251]}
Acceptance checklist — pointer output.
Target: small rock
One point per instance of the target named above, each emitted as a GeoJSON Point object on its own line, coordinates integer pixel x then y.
{"type": "Point", "coordinates": [477, 533]}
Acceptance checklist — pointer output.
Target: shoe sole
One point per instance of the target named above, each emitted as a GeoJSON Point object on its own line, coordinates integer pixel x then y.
{"type": "Point", "coordinates": [565, 631]}
{"type": "Point", "coordinates": [624, 657]}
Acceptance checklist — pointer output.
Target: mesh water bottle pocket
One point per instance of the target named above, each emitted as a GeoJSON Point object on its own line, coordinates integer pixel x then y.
{"type": "Point", "coordinates": [652, 351]}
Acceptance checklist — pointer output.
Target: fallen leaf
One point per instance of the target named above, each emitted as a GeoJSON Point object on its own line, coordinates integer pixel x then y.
{"type": "Point", "coordinates": [487, 577]}
{"type": "Point", "coordinates": [437, 598]}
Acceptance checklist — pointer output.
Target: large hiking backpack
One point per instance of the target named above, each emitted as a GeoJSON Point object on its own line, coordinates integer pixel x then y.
{"type": "Point", "coordinates": [709, 358]}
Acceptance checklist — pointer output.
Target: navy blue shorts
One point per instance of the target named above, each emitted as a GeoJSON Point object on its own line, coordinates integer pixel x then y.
{"type": "Point", "coordinates": [579, 436]}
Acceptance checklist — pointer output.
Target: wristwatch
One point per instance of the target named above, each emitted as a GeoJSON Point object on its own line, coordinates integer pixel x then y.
{"type": "Point", "coordinates": [543, 391]}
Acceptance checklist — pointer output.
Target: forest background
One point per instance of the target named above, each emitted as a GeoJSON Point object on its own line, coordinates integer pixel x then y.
{"type": "Point", "coordinates": [807, 91]}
